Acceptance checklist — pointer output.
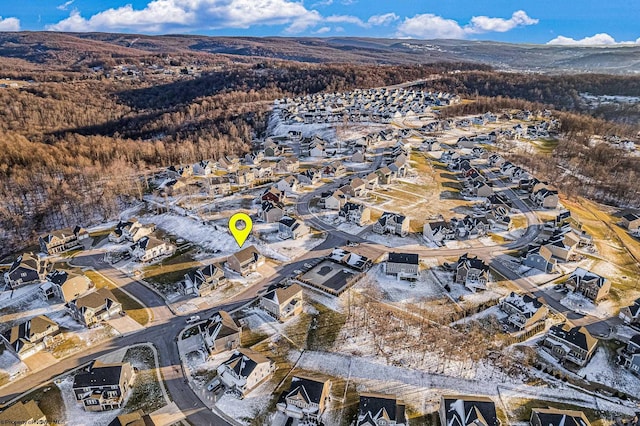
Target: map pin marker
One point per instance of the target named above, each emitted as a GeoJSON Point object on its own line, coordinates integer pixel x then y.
{"type": "Point", "coordinates": [239, 231]}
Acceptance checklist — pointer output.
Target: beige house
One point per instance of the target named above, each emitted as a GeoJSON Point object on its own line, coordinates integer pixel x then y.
{"type": "Point", "coordinates": [28, 268]}
{"type": "Point", "coordinates": [590, 284]}
{"type": "Point", "coordinates": [104, 386]}
{"type": "Point", "coordinates": [524, 311]}
{"type": "Point", "coordinates": [570, 343]}
{"type": "Point", "coordinates": [306, 398]}
{"type": "Point", "coordinates": [245, 261]}
{"type": "Point", "coordinates": [221, 333]}
{"type": "Point", "coordinates": [631, 221]}
{"type": "Point", "coordinates": [244, 370]}
{"type": "Point", "coordinates": [94, 307]}
{"type": "Point", "coordinates": [149, 248]}
{"type": "Point", "coordinates": [62, 240]}
{"type": "Point", "coordinates": [283, 303]}
{"type": "Point", "coordinates": [65, 286]}
{"type": "Point", "coordinates": [23, 414]}
{"type": "Point", "coordinates": [29, 337]}
{"type": "Point", "coordinates": [556, 417]}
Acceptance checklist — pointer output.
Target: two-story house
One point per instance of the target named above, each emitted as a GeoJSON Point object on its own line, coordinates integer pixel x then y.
{"type": "Point", "coordinates": [104, 386]}
{"type": "Point", "coordinates": [356, 213]}
{"type": "Point", "coordinates": [270, 211]}
{"type": "Point", "coordinates": [220, 333]}
{"type": "Point", "coordinates": [376, 409]}
{"type": "Point", "coordinates": [283, 302]}
{"type": "Point", "coordinates": [244, 370]}
{"type": "Point", "coordinates": [203, 280]}
{"type": "Point", "coordinates": [23, 414]}
{"type": "Point", "coordinates": [557, 417]}
{"type": "Point", "coordinates": [306, 398]}
{"type": "Point", "coordinates": [64, 286]}
{"type": "Point", "coordinates": [404, 266]}
{"type": "Point", "coordinates": [62, 240]}
{"type": "Point", "coordinates": [524, 311]}
{"type": "Point", "coordinates": [149, 248]}
{"type": "Point", "coordinates": [472, 272]}
{"type": "Point", "coordinates": [291, 228]}
{"type": "Point", "coordinates": [94, 307]}
{"type": "Point", "coordinates": [589, 284]}
{"type": "Point", "coordinates": [31, 336]}
{"type": "Point", "coordinates": [28, 268]}
{"type": "Point", "coordinates": [392, 223]}
{"type": "Point", "coordinates": [631, 314]}
{"type": "Point", "coordinates": [464, 410]}
{"type": "Point", "coordinates": [570, 343]}
{"type": "Point", "coordinates": [245, 261]}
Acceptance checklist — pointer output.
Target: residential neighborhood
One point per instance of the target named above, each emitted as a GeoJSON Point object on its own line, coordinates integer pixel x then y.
{"type": "Point", "coordinates": [400, 268]}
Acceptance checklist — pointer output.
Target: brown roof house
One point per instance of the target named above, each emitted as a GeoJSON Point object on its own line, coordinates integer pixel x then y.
{"type": "Point", "coordinates": [62, 240]}
{"type": "Point", "coordinates": [31, 336]}
{"type": "Point", "coordinates": [104, 386]}
{"type": "Point", "coordinates": [203, 280]}
{"type": "Point", "coordinates": [306, 398]}
{"type": "Point", "coordinates": [94, 307]}
{"type": "Point", "coordinates": [220, 333]}
{"type": "Point", "coordinates": [23, 414]}
{"type": "Point", "coordinates": [283, 303]}
{"type": "Point", "coordinates": [244, 370]}
{"type": "Point", "coordinates": [245, 261]}
{"type": "Point", "coordinates": [65, 286]}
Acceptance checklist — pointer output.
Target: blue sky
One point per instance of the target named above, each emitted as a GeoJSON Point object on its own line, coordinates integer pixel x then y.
{"type": "Point", "coordinates": [588, 22]}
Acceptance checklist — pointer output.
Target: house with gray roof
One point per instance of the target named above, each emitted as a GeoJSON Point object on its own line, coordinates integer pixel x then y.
{"type": "Point", "coordinates": [305, 399]}
{"type": "Point", "coordinates": [376, 409]}
{"type": "Point", "coordinates": [244, 370]}
{"type": "Point", "coordinates": [570, 343]}
{"type": "Point", "coordinates": [464, 410]}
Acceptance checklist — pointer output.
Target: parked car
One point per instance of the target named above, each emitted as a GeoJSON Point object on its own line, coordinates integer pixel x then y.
{"type": "Point", "coordinates": [214, 385]}
{"type": "Point", "coordinates": [193, 318]}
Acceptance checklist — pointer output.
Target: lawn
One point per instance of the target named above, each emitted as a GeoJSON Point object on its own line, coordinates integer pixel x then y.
{"type": "Point", "coordinates": [171, 270]}
{"type": "Point", "coordinates": [521, 410]}
{"type": "Point", "coordinates": [147, 394]}
{"type": "Point", "coordinates": [134, 309]}
{"type": "Point", "coordinates": [324, 328]}
{"type": "Point", "coordinates": [49, 399]}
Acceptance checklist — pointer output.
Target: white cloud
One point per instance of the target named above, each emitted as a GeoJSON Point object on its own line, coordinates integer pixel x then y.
{"type": "Point", "coordinates": [322, 30]}
{"type": "Point", "coordinates": [9, 24]}
{"type": "Point", "coordinates": [601, 39]}
{"type": "Point", "coordinates": [482, 24]}
{"type": "Point", "coordinates": [433, 26]}
{"type": "Point", "coordinates": [322, 3]}
{"type": "Point", "coordinates": [163, 15]}
{"type": "Point", "coordinates": [430, 26]}
{"type": "Point", "coordinates": [65, 6]}
{"type": "Point", "coordinates": [385, 19]}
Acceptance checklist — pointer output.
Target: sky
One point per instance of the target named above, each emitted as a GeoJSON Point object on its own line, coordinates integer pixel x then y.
{"type": "Point", "coordinates": [565, 22]}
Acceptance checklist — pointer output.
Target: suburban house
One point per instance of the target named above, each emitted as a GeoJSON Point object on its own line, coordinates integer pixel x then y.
{"type": "Point", "coordinates": [305, 399]}
{"type": "Point", "coordinates": [283, 302]}
{"type": "Point", "coordinates": [218, 185]}
{"type": "Point", "coordinates": [94, 307]}
{"type": "Point", "coordinates": [438, 231]}
{"type": "Point", "coordinates": [472, 272]}
{"type": "Point", "coordinates": [631, 221]}
{"type": "Point", "coordinates": [202, 281]}
{"type": "Point", "coordinates": [23, 414]}
{"type": "Point", "coordinates": [204, 168]}
{"type": "Point", "coordinates": [288, 184]}
{"type": "Point", "coordinates": [335, 200]}
{"type": "Point", "coordinates": [557, 417]}
{"type": "Point", "coordinates": [291, 228]}
{"type": "Point", "coordinates": [130, 230]}
{"type": "Point", "coordinates": [629, 358]}
{"type": "Point", "coordinates": [545, 197]}
{"type": "Point", "coordinates": [463, 410]}
{"type": "Point", "coordinates": [272, 194]}
{"type": "Point", "coordinates": [631, 314]}
{"type": "Point", "coordinates": [589, 284]}
{"type": "Point", "coordinates": [244, 370]}
{"type": "Point", "coordinates": [28, 268]}
{"type": "Point", "coordinates": [524, 311]}
{"type": "Point", "coordinates": [377, 409]}
{"type": "Point", "coordinates": [384, 175]}
{"type": "Point", "coordinates": [359, 187]}
{"type": "Point", "coordinates": [371, 181]}
{"type": "Point", "coordinates": [149, 248]}
{"type": "Point", "coordinates": [245, 177]}
{"type": "Point", "coordinates": [31, 336]}
{"type": "Point", "coordinates": [220, 333]}
{"type": "Point", "coordinates": [355, 213]}
{"type": "Point", "coordinates": [245, 261]}
{"type": "Point", "coordinates": [104, 386]}
{"type": "Point", "coordinates": [570, 343]}
{"type": "Point", "coordinates": [310, 177]}
{"type": "Point", "coordinates": [270, 211]}
{"type": "Point", "coordinates": [403, 266]}
{"type": "Point", "coordinates": [392, 223]}
{"type": "Point", "coordinates": [180, 172]}
{"type": "Point", "coordinates": [287, 165]}
{"type": "Point", "coordinates": [539, 259]}
{"type": "Point", "coordinates": [62, 240]}
{"type": "Point", "coordinates": [65, 286]}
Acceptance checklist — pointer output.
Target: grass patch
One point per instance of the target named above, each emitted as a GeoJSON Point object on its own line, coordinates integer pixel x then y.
{"type": "Point", "coordinates": [298, 329]}
{"type": "Point", "coordinates": [524, 406]}
{"type": "Point", "coordinates": [70, 344]}
{"type": "Point", "coordinates": [4, 378]}
{"type": "Point", "coordinates": [546, 145]}
{"type": "Point", "coordinates": [427, 419]}
{"type": "Point", "coordinates": [250, 338]}
{"type": "Point", "coordinates": [171, 270]}
{"type": "Point", "coordinates": [100, 236]}
{"type": "Point", "coordinates": [146, 394]}
{"type": "Point", "coordinates": [135, 310]}
{"type": "Point", "coordinates": [49, 399]}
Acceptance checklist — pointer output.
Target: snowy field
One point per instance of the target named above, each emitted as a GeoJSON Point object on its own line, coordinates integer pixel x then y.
{"type": "Point", "coordinates": [405, 291]}
{"type": "Point", "coordinates": [580, 304]}
{"type": "Point", "coordinates": [602, 370]}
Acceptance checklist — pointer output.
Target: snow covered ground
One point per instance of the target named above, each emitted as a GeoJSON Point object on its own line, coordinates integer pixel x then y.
{"type": "Point", "coordinates": [578, 303]}
{"type": "Point", "coordinates": [11, 365]}
{"type": "Point", "coordinates": [602, 370]}
{"type": "Point", "coordinates": [75, 414]}
{"type": "Point", "coordinates": [405, 291]}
